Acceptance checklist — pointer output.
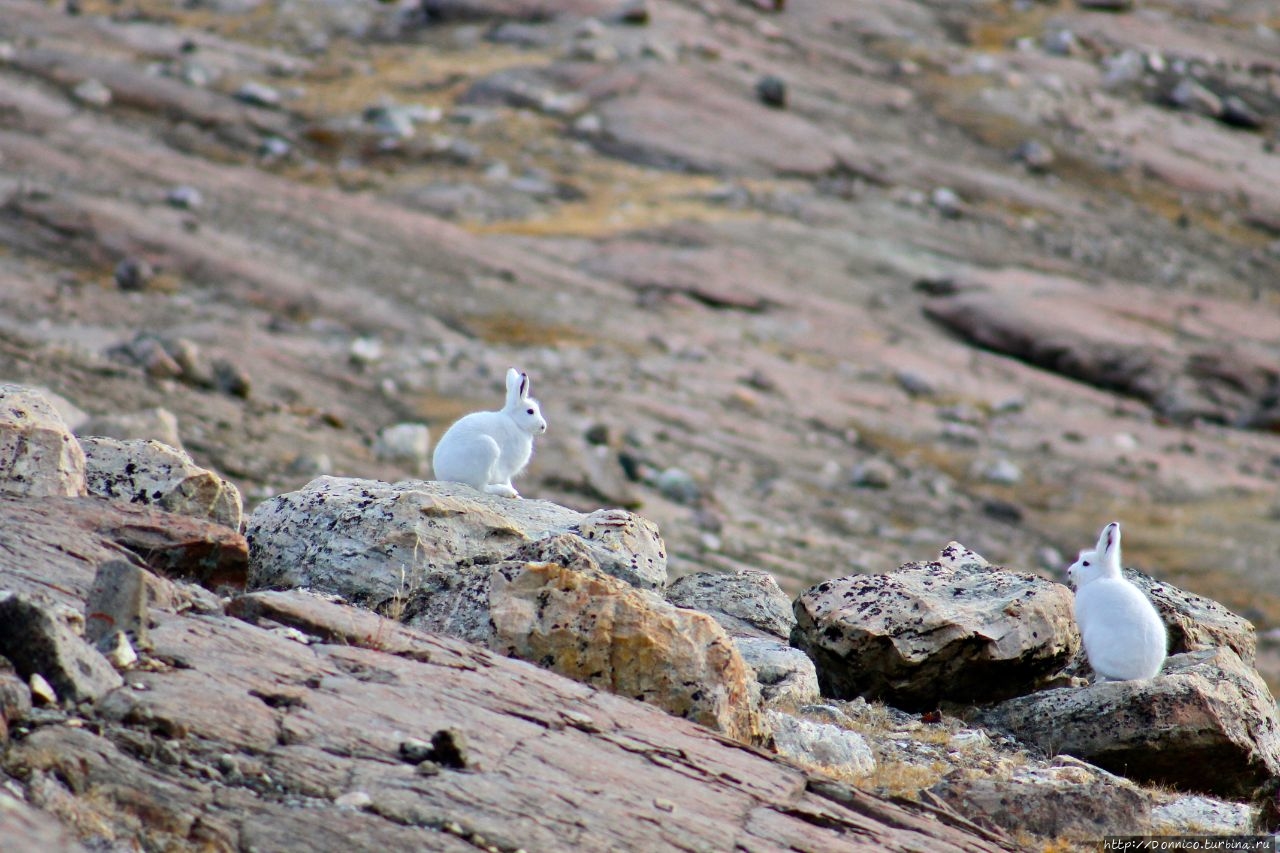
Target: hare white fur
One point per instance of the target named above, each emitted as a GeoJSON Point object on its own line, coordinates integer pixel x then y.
{"type": "Point", "coordinates": [486, 450]}
{"type": "Point", "coordinates": [1124, 636]}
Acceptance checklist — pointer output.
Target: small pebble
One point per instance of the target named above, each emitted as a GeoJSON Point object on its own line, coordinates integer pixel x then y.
{"type": "Point", "coordinates": [92, 92]}
{"type": "Point", "coordinates": [772, 91]}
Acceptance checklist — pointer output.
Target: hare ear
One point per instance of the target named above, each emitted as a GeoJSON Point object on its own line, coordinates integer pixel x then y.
{"type": "Point", "coordinates": [524, 386]}
{"type": "Point", "coordinates": [515, 383]}
{"type": "Point", "coordinates": [1109, 541]}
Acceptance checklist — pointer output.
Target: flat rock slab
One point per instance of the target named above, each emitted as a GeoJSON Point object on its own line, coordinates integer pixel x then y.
{"type": "Point", "coordinates": [289, 731]}
{"type": "Point", "coordinates": [1207, 723]}
{"type": "Point", "coordinates": [374, 543]}
{"type": "Point", "coordinates": [935, 632]}
{"type": "Point", "coordinates": [64, 540]}
{"type": "Point", "coordinates": [1118, 340]}
{"type": "Point", "coordinates": [1070, 798]}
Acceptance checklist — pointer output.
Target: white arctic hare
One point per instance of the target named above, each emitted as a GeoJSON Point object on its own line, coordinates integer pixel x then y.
{"type": "Point", "coordinates": [1124, 636]}
{"type": "Point", "coordinates": [486, 450]}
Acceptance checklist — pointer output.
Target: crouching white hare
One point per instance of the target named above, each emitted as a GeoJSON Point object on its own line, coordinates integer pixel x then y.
{"type": "Point", "coordinates": [1124, 636]}
{"type": "Point", "coordinates": [486, 450]}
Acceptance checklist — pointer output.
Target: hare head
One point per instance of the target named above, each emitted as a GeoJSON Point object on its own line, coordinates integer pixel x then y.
{"type": "Point", "coordinates": [522, 408]}
{"type": "Point", "coordinates": [1104, 561]}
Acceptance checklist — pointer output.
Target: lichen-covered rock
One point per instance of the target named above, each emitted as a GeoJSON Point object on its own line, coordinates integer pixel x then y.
{"type": "Point", "coordinates": [375, 543]}
{"type": "Point", "coordinates": [1069, 798]}
{"type": "Point", "coordinates": [148, 472]}
{"type": "Point", "coordinates": [946, 631]}
{"type": "Point", "coordinates": [786, 675]}
{"type": "Point", "coordinates": [1207, 723]}
{"type": "Point", "coordinates": [748, 603]}
{"type": "Point", "coordinates": [38, 454]}
{"type": "Point", "coordinates": [599, 630]}
{"type": "Point", "coordinates": [1195, 622]}
{"type": "Point", "coordinates": [821, 744]}
{"type": "Point", "coordinates": [1198, 815]}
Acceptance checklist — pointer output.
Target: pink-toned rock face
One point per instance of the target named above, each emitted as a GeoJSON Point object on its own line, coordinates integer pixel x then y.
{"type": "Point", "coordinates": [1206, 723]}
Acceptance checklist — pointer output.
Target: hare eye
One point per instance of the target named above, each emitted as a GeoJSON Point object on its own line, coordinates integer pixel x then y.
{"type": "Point", "coordinates": [1085, 563]}
{"type": "Point", "coordinates": [528, 411]}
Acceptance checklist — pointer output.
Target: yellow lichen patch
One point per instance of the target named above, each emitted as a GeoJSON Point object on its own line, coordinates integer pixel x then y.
{"type": "Point", "coordinates": [522, 331]}
{"type": "Point", "coordinates": [623, 198]}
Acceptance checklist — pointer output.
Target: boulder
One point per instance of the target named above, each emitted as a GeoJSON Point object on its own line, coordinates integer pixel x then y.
{"type": "Point", "coordinates": [148, 472]}
{"type": "Point", "coordinates": [38, 454]}
{"type": "Point", "coordinates": [1198, 815]}
{"type": "Point", "coordinates": [375, 543]}
{"type": "Point", "coordinates": [786, 675]}
{"type": "Point", "coordinates": [38, 643]}
{"type": "Point", "coordinates": [953, 630]}
{"type": "Point", "coordinates": [748, 602]}
{"type": "Point", "coordinates": [833, 750]}
{"type": "Point", "coordinates": [594, 628]}
{"type": "Point", "coordinates": [1068, 798]}
{"type": "Point", "coordinates": [1207, 723]}
{"type": "Point", "coordinates": [1195, 622]}
{"type": "Point", "coordinates": [408, 444]}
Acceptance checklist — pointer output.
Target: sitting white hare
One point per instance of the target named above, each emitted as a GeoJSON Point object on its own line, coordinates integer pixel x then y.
{"type": "Point", "coordinates": [486, 450]}
{"type": "Point", "coordinates": [1124, 636]}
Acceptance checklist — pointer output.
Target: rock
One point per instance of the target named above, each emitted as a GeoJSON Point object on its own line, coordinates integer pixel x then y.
{"type": "Point", "coordinates": [42, 692]}
{"type": "Point", "coordinates": [1070, 799]}
{"type": "Point", "coordinates": [92, 92]}
{"type": "Point", "coordinates": [786, 676]}
{"type": "Point", "coordinates": [37, 643]}
{"type": "Point", "coordinates": [440, 11]}
{"type": "Point", "coordinates": [772, 91]}
{"type": "Point", "coordinates": [184, 197]}
{"type": "Point", "coordinates": [601, 631]}
{"type": "Point", "coordinates": [1237, 112]}
{"type": "Point", "coordinates": [947, 202]}
{"type": "Point", "coordinates": [156, 424]}
{"type": "Point", "coordinates": [747, 603]}
{"type": "Point", "coordinates": [1189, 95]}
{"type": "Point", "coordinates": [1037, 156]}
{"type": "Point", "coordinates": [1207, 723]}
{"type": "Point", "coordinates": [118, 651]}
{"type": "Point", "coordinates": [372, 542]}
{"type": "Point", "coordinates": [148, 472]}
{"type": "Point", "coordinates": [26, 828]}
{"type": "Point", "coordinates": [15, 699]}
{"type": "Point", "coordinates": [117, 602]}
{"type": "Point", "coordinates": [678, 485]}
{"type": "Point", "coordinates": [526, 88]}
{"type": "Point", "coordinates": [1002, 471]}
{"type": "Point", "coordinates": [634, 12]}
{"type": "Point", "coordinates": [134, 274]}
{"type": "Point", "coordinates": [874, 473]}
{"type": "Point", "coordinates": [408, 444]}
{"type": "Point", "coordinates": [1196, 815]}
{"type": "Point", "coordinates": [258, 94]}
{"type": "Point", "coordinates": [936, 632]}
{"type": "Point", "coordinates": [1195, 622]}
{"type": "Point", "coordinates": [1106, 5]}
{"type": "Point", "coordinates": [831, 748]}
{"type": "Point", "coordinates": [38, 454]}
{"type": "Point", "coordinates": [73, 536]}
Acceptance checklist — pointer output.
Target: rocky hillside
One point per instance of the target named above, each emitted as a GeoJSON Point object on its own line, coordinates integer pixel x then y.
{"type": "Point", "coordinates": [816, 286]}
{"type": "Point", "coordinates": [424, 665]}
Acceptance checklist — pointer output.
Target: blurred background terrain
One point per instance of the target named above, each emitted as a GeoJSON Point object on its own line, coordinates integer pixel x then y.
{"type": "Point", "coordinates": [818, 286]}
